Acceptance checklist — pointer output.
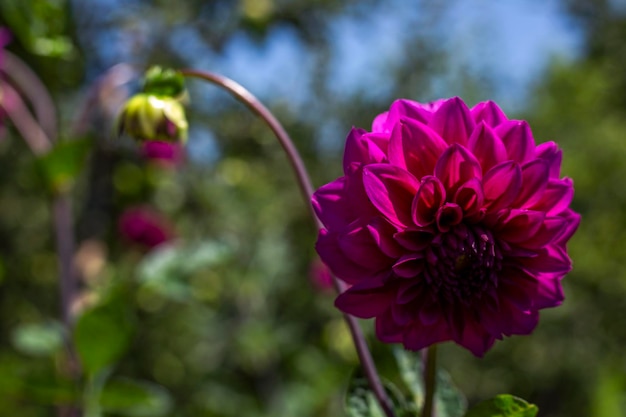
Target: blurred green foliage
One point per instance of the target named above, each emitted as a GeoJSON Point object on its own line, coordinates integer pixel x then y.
{"type": "Point", "coordinates": [226, 321]}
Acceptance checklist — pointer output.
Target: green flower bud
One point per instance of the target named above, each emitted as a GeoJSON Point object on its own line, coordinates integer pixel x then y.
{"type": "Point", "coordinates": [164, 82]}
{"type": "Point", "coordinates": [149, 117]}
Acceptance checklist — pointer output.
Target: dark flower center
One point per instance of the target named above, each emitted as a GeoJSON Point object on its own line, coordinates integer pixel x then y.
{"type": "Point", "coordinates": [462, 263]}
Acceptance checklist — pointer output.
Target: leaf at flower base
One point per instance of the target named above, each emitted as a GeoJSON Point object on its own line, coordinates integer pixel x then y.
{"type": "Point", "coordinates": [63, 163]}
{"type": "Point", "coordinates": [449, 401]}
{"type": "Point", "coordinates": [360, 400]}
{"type": "Point", "coordinates": [503, 405]}
{"type": "Point", "coordinates": [102, 335]}
{"type": "Point", "coordinates": [134, 398]}
{"type": "Point", "coordinates": [411, 373]}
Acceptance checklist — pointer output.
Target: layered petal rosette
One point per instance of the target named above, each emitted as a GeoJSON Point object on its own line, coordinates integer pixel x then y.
{"type": "Point", "coordinates": [448, 224]}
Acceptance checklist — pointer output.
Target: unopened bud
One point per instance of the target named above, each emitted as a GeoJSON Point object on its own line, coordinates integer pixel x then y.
{"type": "Point", "coordinates": [148, 117]}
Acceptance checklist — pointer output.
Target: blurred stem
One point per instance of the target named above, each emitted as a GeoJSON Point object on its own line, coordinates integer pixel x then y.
{"type": "Point", "coordinates": [39, 135]}
{"type": "Point", "coordinates": [34, 90]}
{"type": "Point", "coordinates": [93, 392]}
{"type": "Point", "coordinates": [30, 130]}
{"type": "Point", "coordinates": [429, 358]}
{"type": "Point", "coordinates": [306, 188]}
{"type": "Point", "coordinates": [254, 105]}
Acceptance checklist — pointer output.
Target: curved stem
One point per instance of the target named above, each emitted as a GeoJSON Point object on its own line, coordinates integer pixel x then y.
{"type": "Point", "coordinates": [260, 110]}
{"type": "Point", "coordinates": [429, 358]}
{"type": "Point", "coordinates": [306, 189]}
{"type": "Point", "coordinates": [31, 86]}
{"type": "Point", "coordinates": [23, 120]}
{"type": "Point", "coordinates": [40, 142]}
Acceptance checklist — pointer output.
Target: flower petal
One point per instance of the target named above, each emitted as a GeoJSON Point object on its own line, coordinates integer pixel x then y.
{"type": "Point", "coordinates": [357, 244]}
{"type": "Point", "coordinates": [391, 190]}
{"type": "Point", "coordinates": [360, 150]}
{"type": "Point", "coordinates": [329, 251]}
{"type": "Point", "coordinates": [474, 337]}
{"type": "Point", "coordinates": [382, 232]}
{"type": "Point", "coordinates": [488, 112]}
{"type": "Point", "coordinates": [556, 198]}
{"type": "Point", "coordinates": [551, 260]}
{"type": "Point", "coordinates": [455, 167]}
{"type": "Point", "coordinates": [573, 221]}
{"type": "Point", "coordinates": [518, 140]}
{"type": "Point", "coordinates": [470, 197]}
{"type": "Point", "coordinates": [543, 293]}
{"type": "Point", "coordinates": [420, 336]}
{"type": "Point", "coordinates": [453, 121]}
{"type": "Point", "coordinates": [379, 124]}
{"type": "Point", "coordinates": [403, 314]}
{"type": "Point", "coordinates": [363, 301]}
{"type": "Point", "coordinates": [450, 214]}
{"type": "Point", "coordinates": [331, 206]}
{"type": "Point", "coordinates": [356, 198]}
{"type": "Point", "coordinates": [415, 147]}
{"type": "Point", "coordinates": [519, 225]}
{"type": "Point", "coordinates": [534, 182]}
{"type": "Point", "coordinates": [414, 240]}
{"type": "Point", "coordinates": [501, 185]}
{"type": "Point", "coordinates": [430, 196]}
{"type": "Point", "coordinates": [410, 291]}
{"type": "Point", "coordinates": [409, 266]}
{"type": "Point", "coordinates": [550, 153]}
{"type": "Point", "coordinates": [518, 321]}
{"type": "Point", "coordinates": [487, 147]}
{"type": "Point", "coordinates": [547, 233]}
{"type": "Point", "coordinates": [401, 109]}
{"type": "Point", "coordinates": [387, 330]}
{"type": "Point", "coordinates": [430, 312]}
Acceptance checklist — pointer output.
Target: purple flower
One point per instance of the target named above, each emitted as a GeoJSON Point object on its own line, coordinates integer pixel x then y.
{"type": "Point", "coordinates": [165, 154]}
{"type": "Point", "coordinates": [449, 224]}
{"type": "Point", "coordinates": [320, 276]}
{"type": "Point", "coordinates": [145, 227]}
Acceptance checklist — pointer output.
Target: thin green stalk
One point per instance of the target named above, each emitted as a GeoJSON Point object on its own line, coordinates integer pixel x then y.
{"type": "Point", "coordinates": [430, 379]}
{"type": "Point", "coordinates": [243, 95]}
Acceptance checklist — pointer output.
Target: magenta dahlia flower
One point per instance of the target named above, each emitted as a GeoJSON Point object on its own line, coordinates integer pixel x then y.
{"type": "Point", "coordinates": [164, 154]}
{"type": "Point", "coordinates": [145, 227]}
{"type": "Point", "coordinates": [448, 224]}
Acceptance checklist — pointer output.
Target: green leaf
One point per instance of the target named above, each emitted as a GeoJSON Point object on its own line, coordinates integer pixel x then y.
{"type": "Point", "coordinates": [360, 400]}
{"type": "Point", "coordinates": [62, 165]}
{"type": "Point", "coordinates": [102, 335]}
{"type": "Point", "coordinates": [503, 405]}
{"type": "Point", "coordinates": [38, 339]}
{"type": "Point", "coordinates": [135, 398]}
{"type": "Point", "coordinates": [410, 368]}
{"type": "Point", "coordinates": [449, 401]}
